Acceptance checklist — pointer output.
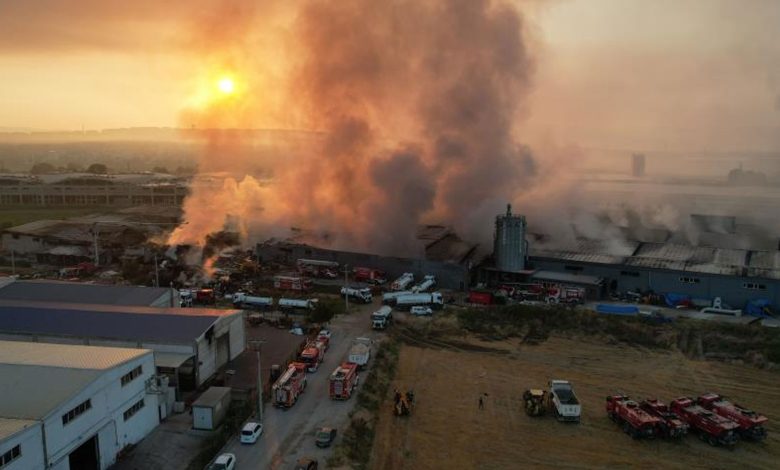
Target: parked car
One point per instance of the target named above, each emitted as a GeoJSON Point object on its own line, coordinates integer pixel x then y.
{"type": "Point", "coordinates": [251, 432]}
{"type": "Point", "coordinates": [306, 464]}
{"type": "Point", "coordinates": [325, 437]}
{"type": "Point", "coordinates": [325, 333]}
{"type": "Point", "coordinates": [421, 311]}
{"type": "Point", "coordinates": [223, 462]}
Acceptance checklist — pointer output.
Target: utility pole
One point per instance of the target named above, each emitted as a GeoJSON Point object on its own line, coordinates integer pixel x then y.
{"type": "Point", "coordinates": [346, 286]}
{"type": "Point", "coordinates": [156, 272]}
{"type": "Point", "coordinates": [95, 234]}
{"type": "Point", "coordinates": [256, 344]}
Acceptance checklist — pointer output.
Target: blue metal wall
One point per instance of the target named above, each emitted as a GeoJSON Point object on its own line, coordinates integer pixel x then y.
{"type": "Point", "coordinates": [729, 288]}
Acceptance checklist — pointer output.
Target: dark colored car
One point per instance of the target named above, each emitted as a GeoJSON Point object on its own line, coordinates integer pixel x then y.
{"type": "Point", "coordinates": [325, 437]}
{"type": "Point", "coordinates": [306, 464]}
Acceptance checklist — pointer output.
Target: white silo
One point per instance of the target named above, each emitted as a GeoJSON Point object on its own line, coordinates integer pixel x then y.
{"type": "Point", "coordinates": [509, 245]}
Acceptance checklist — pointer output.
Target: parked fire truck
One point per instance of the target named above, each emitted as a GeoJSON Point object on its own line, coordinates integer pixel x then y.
{"type": "Point", "coordinates": [751, 424]}
{"type": "Point", "coordinates": [671, 425]}
{"type": "Point", "coordinates": [292, 283]}
{"type": "Point", "coordinates": [291, 384]}
{"type": "Point", "coordinates": [312, 355]}
{"type": "Point", "coordinates": [713, 428]}
{"type": "Point", "coordinates": [343, 381]}
{"type": "Point", "coordinates": [635, 421]}
{"type": "Point", "coordinates": [369, 275]}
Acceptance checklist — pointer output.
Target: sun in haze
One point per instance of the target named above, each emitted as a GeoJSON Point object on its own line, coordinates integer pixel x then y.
{"type": "Point", "coordinates": [226, 86]}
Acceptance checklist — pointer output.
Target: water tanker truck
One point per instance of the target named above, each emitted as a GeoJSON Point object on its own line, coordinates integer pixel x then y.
{"type": "Point", "coordinates": [361, 295]}
{"type": "Point", "coordinates": [403, 282]}
{"type": "Point", "coordinates": [433, 300]}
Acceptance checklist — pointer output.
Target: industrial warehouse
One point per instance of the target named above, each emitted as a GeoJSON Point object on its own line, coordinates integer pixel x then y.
{"type": "Point", "coordinates": [189, 345]}
{"type": "Point", "coordinates": [73, 407]}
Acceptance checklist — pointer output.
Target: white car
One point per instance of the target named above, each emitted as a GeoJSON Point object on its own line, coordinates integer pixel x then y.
{"type": "Point", "coordinates": [325, 333]}
{"type": "Point", "coordinates": [224, 462]}
{"type": "Point", "coordinates": [251, 432]}
{"type": "Point", "coordinates": [421, 310]}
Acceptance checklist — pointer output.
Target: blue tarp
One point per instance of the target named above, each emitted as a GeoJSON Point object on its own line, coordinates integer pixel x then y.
{"type": "Point", "coordinates": [673, 300]}
{"type": "Point", "coordinates": [617, 309]}
{"type": "Point", "coordinates": [759, 308]}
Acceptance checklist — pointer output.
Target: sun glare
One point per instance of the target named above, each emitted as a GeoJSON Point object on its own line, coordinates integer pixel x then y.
{"type": "Point", "coordinates": [226, 85]}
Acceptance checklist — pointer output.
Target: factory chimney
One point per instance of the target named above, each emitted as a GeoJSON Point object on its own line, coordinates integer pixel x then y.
{"type": "Point", "coordinates": [509, 245]}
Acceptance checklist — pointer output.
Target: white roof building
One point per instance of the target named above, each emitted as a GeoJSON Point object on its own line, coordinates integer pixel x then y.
{"type": "Point", "coordinates": [72, 406]}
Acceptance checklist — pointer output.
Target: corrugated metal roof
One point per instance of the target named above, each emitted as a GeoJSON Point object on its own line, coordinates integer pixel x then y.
{"type": "Point", "coordinates": [36, 378]}
{"type": "Point", "coordinates": [137, 324]}
{"type": "Point", "coordinates": [74, 292]}
{"type": "Point", "coordinates": [171, 360]}
{"type": "Point", "coordinates": [11, 426]}
{"type": "Point", "coordinates": [65, 355]}
{"type": "Point", "coordinates": [765, 259]}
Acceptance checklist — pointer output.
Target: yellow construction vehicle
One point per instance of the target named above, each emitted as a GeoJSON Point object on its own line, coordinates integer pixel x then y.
{"type": "Point", "coordinates": [534, 402]}
{"type": "Point", "coordinates": [403, 403]}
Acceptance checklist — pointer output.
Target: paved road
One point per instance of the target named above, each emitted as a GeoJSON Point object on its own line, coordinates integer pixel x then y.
{"type": "Point", "coordinates": [289, 434]}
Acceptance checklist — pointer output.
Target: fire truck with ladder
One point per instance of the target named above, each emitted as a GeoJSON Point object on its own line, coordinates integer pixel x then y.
{"type": "Point", "coordinates": [671, 425]}
{"type": "Point", "coordinates": [343, 381]}
{"type": "Point", "coordinates": [635, 421]}
{"type": "Point", "coordinates": [290, 385]}
{"type": "Point", "coordinates": [751, 424]}
{"type": "Point", "coordinates": [711, 427]}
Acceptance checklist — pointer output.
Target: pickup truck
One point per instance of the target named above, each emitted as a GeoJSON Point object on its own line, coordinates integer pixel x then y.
{"type": "Point", "coordinates": [564, 402]}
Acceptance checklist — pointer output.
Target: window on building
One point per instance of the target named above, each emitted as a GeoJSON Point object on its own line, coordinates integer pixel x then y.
{"type": "Point", "coordinates": [570, 267]}
{"type": "Point", "coordinates": [134, 409]}
{"type": "Point", "coordinates": [690, 280]}
{"type": "Point", "coordinates": [754, 286]}
{"type": "Point", "coordinates": [10, 456]}
{"type": "Point", "coordinates": [629, 273]}
{"type": "Point", "coordinates": [75, 412]}
{"type": "Point", "coordinates": [127, 378]}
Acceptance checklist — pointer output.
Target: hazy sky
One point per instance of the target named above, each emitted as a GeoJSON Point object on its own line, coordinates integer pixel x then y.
{"type": "Point", "coordinates": [700, 74]}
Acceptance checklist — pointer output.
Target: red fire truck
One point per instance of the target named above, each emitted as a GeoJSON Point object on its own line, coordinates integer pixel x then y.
{"type": "Point", "coordinates": [290, 385]}
{"type": "Point", "coordinates": [343, 381]}
{"type": "Point", "coordinates": [292, 283]}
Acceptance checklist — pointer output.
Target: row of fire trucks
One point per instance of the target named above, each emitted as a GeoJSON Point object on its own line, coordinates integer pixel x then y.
{"type": "Point", "coordinates": [291, 383]}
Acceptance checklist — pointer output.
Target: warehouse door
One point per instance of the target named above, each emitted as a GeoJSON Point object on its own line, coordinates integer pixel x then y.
{"type": "Point", "coordinates": [223, 349]}
{"type": "Point", "coordinates": [85, 457]}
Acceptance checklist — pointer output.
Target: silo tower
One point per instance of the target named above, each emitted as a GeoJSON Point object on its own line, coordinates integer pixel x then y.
{"type": "Point", "coordinates": [509, 245]}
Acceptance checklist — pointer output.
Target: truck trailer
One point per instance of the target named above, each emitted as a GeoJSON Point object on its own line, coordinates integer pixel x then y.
{"type": "Point", "coordinates": [432, 299]}
{"type": "Point", "coordinates": [403, 282]}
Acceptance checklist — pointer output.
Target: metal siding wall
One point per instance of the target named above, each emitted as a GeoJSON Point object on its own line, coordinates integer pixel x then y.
{"type": "Point", "coordinates": [30, 442]}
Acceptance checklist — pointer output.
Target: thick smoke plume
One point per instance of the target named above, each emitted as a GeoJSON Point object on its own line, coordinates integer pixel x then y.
{"type": "Point", "coordinates": [415, 104]}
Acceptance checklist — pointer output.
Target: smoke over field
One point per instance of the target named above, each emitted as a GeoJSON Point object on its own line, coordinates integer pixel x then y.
{"type": "Point", "coordinates": [416, 103]}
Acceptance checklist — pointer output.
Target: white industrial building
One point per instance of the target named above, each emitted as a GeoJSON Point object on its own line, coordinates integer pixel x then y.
{"type": "Point", "coordinates": [189, 344]}
{"type": "Point", "coordinates": [73, 407]}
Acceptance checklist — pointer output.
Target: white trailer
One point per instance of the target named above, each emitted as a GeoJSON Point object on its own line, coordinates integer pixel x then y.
{"type": "Point", "coordinates": [565, 404]}
{"type": "Point", "coordinates": [297, 304]}
{"type": "Point", "coordinates": [403, 282]}
{"type": "Point", "coordinates": [390, 297]}
{"type": "Point", "coordinates": [428, 282]}
{"type": "Point", "coordinates": [363, 295]}
{"type": "Point", "coordinates": [242, 300]}
{"type": "Point", "coordinates": [432, 299]}
{"type": "Point", "coordinates": [382, 318]}
{"type": "Point", "coordinates": [360, 352]}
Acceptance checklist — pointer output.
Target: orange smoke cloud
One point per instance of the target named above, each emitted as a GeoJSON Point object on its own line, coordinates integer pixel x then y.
{"type": "Point", "coordinates": [415, 102]}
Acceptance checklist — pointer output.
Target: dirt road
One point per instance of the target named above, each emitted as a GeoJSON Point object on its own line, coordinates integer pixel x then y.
{"type": "Point", "coordinates": [289, 434]}
{"type": "Point", "coordinates": [448, 430]}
